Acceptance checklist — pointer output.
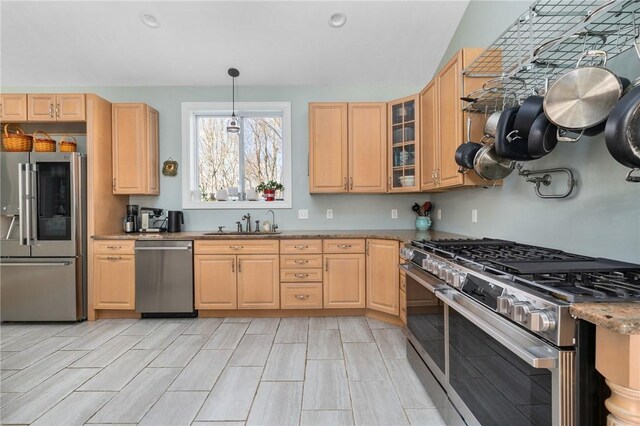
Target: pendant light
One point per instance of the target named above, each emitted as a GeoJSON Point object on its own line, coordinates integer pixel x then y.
{"type": "Point", "coordinates": [233, 126]}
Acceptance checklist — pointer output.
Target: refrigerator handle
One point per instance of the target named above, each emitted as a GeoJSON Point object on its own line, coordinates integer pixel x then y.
{"type": "Point", "coordinates": [28, 203]}
{"type": "Point", "coordinates": [33, 203]}
{"type": "Point", "coordinates": [21, 207]}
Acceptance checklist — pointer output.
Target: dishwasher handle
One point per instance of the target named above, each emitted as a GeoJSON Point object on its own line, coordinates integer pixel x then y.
{"type": "Point", "coordinates": [163, 248]}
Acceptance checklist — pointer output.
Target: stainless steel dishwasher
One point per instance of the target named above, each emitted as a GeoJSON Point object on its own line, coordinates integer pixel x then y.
{"type": "Point", "coordinates": [164, 277]}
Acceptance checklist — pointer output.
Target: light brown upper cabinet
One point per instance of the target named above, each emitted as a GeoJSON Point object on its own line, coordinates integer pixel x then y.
{"type": "Point", "coordinates": [383, 290]}
{"type": "Point", "coordinates": [13, 107]}
{"type": "Point", "coordinates": [347, 147]}
{"type": "Point", "coordinates": [444, 127]}
{"type": "Point", "coordinates": [135, 149]}
{"type": "Point", "coordinates": [404, 145]}
{"type": "Point", "coordinates": [56, 107]}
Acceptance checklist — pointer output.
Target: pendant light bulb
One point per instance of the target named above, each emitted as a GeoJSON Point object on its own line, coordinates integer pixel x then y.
{"type": "Point", "coordinates": [233, 126]}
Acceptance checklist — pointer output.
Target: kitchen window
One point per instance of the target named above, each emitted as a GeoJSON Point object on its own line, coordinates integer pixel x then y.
{"type": "Point", "coordinates": [222, 170]}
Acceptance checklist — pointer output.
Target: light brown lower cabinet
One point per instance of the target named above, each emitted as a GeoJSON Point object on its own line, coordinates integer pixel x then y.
{"type": "Point", "coordinates": [382, 276]}
{"type": "Point", "coordinates": [344, 281]}
{"type": "Point", "coordinates": [258, 281]}
{"type": "Point", "coordinates": [215, 282]}
{"type": "Point", "coordinates": [114, 281]}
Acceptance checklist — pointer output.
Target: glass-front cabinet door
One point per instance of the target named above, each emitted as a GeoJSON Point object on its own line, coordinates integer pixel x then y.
{"type": "Point", "coordinates": [404, 134]}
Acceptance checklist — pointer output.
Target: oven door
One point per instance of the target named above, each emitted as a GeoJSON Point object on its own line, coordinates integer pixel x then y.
{"type": "Point", "coordinates": [500, 374]}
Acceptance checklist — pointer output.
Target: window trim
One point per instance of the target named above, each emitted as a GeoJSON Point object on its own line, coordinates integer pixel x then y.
{"type": "Point", "coordinates": [189, 112]}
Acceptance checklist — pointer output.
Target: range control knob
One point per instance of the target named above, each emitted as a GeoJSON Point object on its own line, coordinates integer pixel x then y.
{"type": "Point", "coordinates": [407, 253]}
{"type": "Point", "coordinates": [505, 303]}
{"type": "Point", "coordinates": [449, 275]}
{"type": "Point", "coordinates": [521, 310]}
{"type": "Point", "coordinates": [542, 321]}
{"type": "Point", "coordinates": [442, 272]}
{"type": "Point", "coordinates": [458, 279]}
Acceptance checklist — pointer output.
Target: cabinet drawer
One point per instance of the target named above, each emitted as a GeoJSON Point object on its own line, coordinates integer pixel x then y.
{"type": "Point", "coordinates": [301, 296]}
{"type": "Point", "coordinates": [300, 246]}
{"type": "Point", "coordinates": [403, 282]}
{"type": "Point", "coordinates": [343, 246]}
{"type": "Point", "coordinates": [113, 247]}
{"type": "Point", "coordinates": [237, 247]}
{"type": "Point", "coordinates": [293, 275]}
{"type": "Point", "coordinates": [300, 261]}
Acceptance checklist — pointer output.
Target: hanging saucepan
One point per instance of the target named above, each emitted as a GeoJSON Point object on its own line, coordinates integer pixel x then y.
{"type": "Point", "coordinates": [467, 151]}
{"type": "Point", "coordinates": [542, 137]}
{"type": "Point", "coordinates": [583, 97]}
{"type": "Point", "coordinates": [530, 109]}
{"type": "Point", "coordinates": [491, 124]}
{"type": "Point", "coordinates": [489, 166]}
{"type": "Point", "coordinates": [508, 144]}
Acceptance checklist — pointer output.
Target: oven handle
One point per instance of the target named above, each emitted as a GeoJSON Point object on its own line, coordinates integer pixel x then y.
{"type": "Point", "coordinates": [424, 278]}
{"type": "Point", "coordinates": [535, 356]}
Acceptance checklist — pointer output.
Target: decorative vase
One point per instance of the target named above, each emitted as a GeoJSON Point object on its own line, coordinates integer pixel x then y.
{"type": "Point", "coordinates": [270, 194]}
{"type": "Point", "coordinates": [423, 223]}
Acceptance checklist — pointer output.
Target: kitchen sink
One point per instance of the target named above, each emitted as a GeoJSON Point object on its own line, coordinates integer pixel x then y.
{"type": "Point", "coordinates": [241, 233]}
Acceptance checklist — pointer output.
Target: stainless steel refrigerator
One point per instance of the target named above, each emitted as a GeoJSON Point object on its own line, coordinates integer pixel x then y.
{"type": "Point", "coordinates": [43, 237]}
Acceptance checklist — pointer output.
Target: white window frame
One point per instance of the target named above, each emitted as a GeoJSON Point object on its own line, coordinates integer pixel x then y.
{"type": "Point", "coordinates": [190, 110]}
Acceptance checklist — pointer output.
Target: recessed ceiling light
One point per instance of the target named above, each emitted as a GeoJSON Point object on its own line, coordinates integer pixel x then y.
{"type": "Point", "coordinates": [337, 19]}
{"type": "Point", "coordinates": [149, 19]}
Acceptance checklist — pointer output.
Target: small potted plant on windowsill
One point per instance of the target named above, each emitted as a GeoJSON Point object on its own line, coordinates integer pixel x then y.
{"type": "Point", "coordinates": [269, 189]}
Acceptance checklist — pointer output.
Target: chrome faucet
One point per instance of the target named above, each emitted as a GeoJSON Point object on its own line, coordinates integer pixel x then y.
{"type": "Point", "coordinates": [247, 217]}
{"type": "Point", "coordinates": [274, 227]}
{"type": "Point", "coordinates": [239, 226]}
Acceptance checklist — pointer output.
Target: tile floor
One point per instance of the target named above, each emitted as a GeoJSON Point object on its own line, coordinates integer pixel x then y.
{"type": "Point", "coordinates": [209, 371]}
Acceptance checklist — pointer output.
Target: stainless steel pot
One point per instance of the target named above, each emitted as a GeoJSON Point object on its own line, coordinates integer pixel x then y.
{"type": "Point", "coordinates": [583, 97]}
{"type": "Point", "coordinates": [492, 124]}
{"type": "Point", "coordinates": [489, 166]}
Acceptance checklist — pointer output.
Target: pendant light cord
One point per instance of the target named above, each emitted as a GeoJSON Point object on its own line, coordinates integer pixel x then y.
{"type": "Point", "coordinates": [233, 97]}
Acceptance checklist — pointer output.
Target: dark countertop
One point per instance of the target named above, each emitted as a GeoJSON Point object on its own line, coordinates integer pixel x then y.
{"type": "Point", "coordinates": [623, 318]}
{"type": "Point", "coordinates": [397, 234]}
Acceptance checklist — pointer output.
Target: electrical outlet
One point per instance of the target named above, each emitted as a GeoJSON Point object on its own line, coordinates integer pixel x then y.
{"type": "Point", "coordinates": [439, 214]}
{"type": "Point", "coordinates": [474, 215]}
{"type": "Point", "coordinates": [394, 213]}
{"type": "Point", "coordinates": [303, 214]}
{"type": "Point", "coordinates": [329, 213]}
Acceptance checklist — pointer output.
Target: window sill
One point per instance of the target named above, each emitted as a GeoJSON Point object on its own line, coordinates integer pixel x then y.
{"type": "Point", "coordinates": [229, 205]}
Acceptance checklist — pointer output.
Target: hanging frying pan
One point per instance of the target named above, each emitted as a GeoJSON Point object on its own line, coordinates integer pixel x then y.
{"type": "Point", "coordinates": [508, 143]}
{"type": "Point", "coordinates": [542, 137]}
{"type": "Point", "coordinates": [530, 109]}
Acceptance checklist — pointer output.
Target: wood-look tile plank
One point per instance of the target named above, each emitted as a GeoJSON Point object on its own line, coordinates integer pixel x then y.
{"type": "Point", "coordinates": [144, 327]}
{"type": "Point", "coordinates": [35, 353]}
{"type": "Point", "coordinates": [252, 351]}
{"type": "Point", "coordinates": [376, 403]}
{"type": "Point", "coordinates": [286, 362]}
{"type": "Point", "coordinates": [132, 403]}
{"type": "Point", "coordinates": [39, 400]}
{"type": "Point", "coordinates": [354, 329]}
{"type": "Point", "coordinates": [174, 408]}
{"type": "Point", "coordinates": [375, 324]}
{"type": "Point", "coordinates": [292, 330]}
{"type": "Point", "coordinates": [326, 418]}
{"type": "Point", "coordinates": [97, 337]}
{"type": "Point", "coordinates": [121, 371]}
{"type": "Point", "coordinates": [325, 344]}
{"type": "Point", "coordinates": [82, 328]}
{"type": "Point", "coordinates": [425, 417]}
{"type": "Point", "coordinates": [203, 326]}
{"type": "Point", "coordinates": [202, 372]}
{"type": "Point", "coordinates": [263, 326]}
{"type": "Point", "coordinates": [7, 397]}
{"type": "Point", "coordinates": [227, 336]}
{"type": "Point", "coordinates": [163, 336]}
{"type": "Point", "coordinates": [276, 403]}
{"type": "Point", "coordinates": [180, 352]}
{"type": "Point", "coordinates": [410, 390]}
{"type": "Point", "coordinates": [364, 362]}
{"type": "Point", "coordinates": [325, 386]}
{"type": "Point", "coordinates": [108, 352]}
{"type": "Point", "coordinates": [7, 373]}
{"type": "Point", "coordinates": [75, 409]}
{"type": "Point", "coordinates": [237, 320]}
{"type": "Point", "coordinates": [217, 424]}
{"type": "Point", "coordinates": [392, 342]}
{"type": "Point", "coordinates": [323, 323]}
{"type": "Point", "coordinates": [231, 397]}
{"type": "Point", "coordinates": [37, 373]}
{"type": "Point", "coordinates": [35, 335]}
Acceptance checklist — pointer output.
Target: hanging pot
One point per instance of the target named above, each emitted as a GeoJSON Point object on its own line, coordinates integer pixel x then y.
{"type": "Point", "coordinates": [491, 124]}
{"type": "Point", "coordinates": [542, 137]}
{"type": "Point", "coordinates": [489, 166]}
{"type": "Point", "coordinates": [530, 109]}
{"type": "Point", "coordinates": [508, 143]}
{"type": "Point", "coordinates": [465, 155]}
{"type": "Point", "coordinates": [583, 97]}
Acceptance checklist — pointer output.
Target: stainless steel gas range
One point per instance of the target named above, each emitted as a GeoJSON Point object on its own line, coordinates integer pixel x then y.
{"type": "Point", "coordinates": [490, 334]}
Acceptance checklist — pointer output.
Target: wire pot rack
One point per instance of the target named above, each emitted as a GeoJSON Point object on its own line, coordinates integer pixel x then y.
{"type": "Point", "coordinates": [546, 41]}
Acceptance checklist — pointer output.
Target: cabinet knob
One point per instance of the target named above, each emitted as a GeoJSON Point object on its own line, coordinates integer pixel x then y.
{"type": "Point", "coordinates": [345, 183]}
{"type": "Point", "coordinates": [326, 265]}
{"type": "Point", "coordinates": [114, 247]}
{"type": "Point", "coordinates": [51, 110]}
{"type": "Point", "coordinates": [57, 110]}
{"type": "Point", "coordinates": [301, 247]}
{"type": "Point", "coordinates": [351, 182]}
{"type": "Point", "coordinates": [344, 246]}
{"type": "Point", "coordinates": [233, 265]}
{"type": "Point", "coordinates": [301, 261]}
{"type": "Point", "coordinates": [301, 275]}
{"type": "Point", "coordinates": [114, 257]}
{"type": "Point", "coordinates": [302, 296]}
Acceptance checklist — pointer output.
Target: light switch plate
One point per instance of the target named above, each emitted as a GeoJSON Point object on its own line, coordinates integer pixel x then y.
{"type": "Point", "coordinates": [303, 214]}
{"type": "Point", "coordinates": [394, 213]}
{"type": "Point", "coordinates": [474, 215]}
{"type": "Point", "coordinates": [439, 214]}
{"type": "Point", "coordinates": [329, 213]}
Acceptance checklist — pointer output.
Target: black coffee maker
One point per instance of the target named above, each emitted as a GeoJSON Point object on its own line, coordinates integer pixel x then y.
{"type": "Point", "coordinates": [175, 221]}
{"type": "Point", "coordinates": [130, 223]}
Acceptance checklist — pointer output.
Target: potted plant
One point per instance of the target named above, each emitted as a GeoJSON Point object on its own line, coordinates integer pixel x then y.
{"type": "Point", "coordinates": [269, 189]}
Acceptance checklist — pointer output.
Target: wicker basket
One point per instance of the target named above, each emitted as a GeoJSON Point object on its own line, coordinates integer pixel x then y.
{"type": "Point", "coordinates": [17, 141]}
{"type": "Point", "coordinates": [46, 144]}
{"type": "Point", "coordinates": [68, 146]}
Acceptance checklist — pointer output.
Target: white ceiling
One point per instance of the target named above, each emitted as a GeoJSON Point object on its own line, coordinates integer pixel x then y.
{"type": "Point", "coordinates": [272, 43]}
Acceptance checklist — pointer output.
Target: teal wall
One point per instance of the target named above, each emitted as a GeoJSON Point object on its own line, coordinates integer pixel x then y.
{"type": "Point", "coordinates": [349, 211]}
{"type": "Point", "coordinates": [602, 218]}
